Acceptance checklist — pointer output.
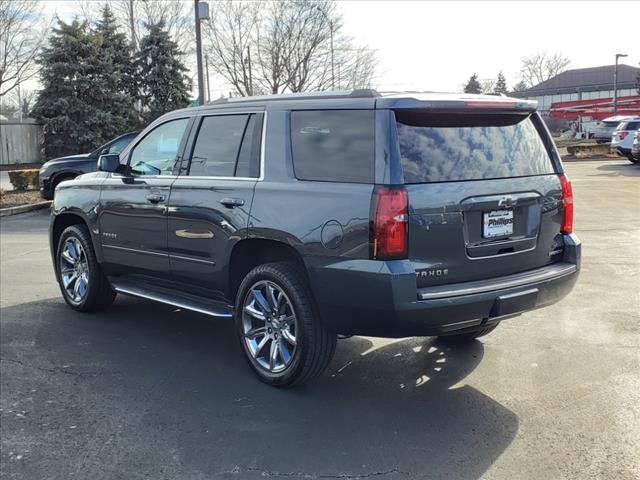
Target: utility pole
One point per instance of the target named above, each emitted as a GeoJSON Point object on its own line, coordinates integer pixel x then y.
{"type": "Point", "coordinates": [615, 82]}
{"type": "Point", "coordinates": [202, 13]}
{"type": "Point", "coordinates": [132, 25]}
{"type": "Point", "coordinates": [206, 69]}
{"type": "Point", "coordinates": [250, 92]}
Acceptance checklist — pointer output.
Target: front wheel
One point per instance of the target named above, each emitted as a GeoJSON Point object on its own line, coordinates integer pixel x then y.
{"type": "Point", "coordinates": [280, 331]}
{"type": "Point", "coordinates": [82, 283]}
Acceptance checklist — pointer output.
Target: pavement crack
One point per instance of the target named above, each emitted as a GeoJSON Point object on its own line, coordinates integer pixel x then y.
{"type": "Point", "coordinates": [343, 476]}
{"type": "Point", "coordinates": [62, 370]}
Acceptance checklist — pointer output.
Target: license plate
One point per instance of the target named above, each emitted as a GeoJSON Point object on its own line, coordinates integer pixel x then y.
{"type": "Point", "coordinates": [497, 223]}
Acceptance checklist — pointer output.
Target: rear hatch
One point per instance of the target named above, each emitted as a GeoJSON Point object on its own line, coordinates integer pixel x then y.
{"type": "Point", "coordinates": [485, 198]}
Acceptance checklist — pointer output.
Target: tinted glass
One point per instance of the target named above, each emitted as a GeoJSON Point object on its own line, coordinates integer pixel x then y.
{"type": "Point", "coordinates": [444, 148]}
{"type": "Point", "coordinates": [217, 145]}
{"type": "Point", "coordinates": [119, 145]}
{"type": "Point", "coordinates": [249, 158]}
{"type": "Point", "coordinates": [333, 145]}
{"type": "Point", "coordinates": [631, 126]}
{"type": "Point", "coordinates": [156, 154]}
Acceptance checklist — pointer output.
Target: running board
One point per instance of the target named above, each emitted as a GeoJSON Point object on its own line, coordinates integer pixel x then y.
{"type": "Point", "coordinates": [176, 299]}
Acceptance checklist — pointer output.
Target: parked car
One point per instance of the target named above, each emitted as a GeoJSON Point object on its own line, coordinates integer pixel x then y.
{"type": "Point", "coordinates": [622, 138]}
{"type": "Point", "coordinates": [605, 128]}
{"type": "Point", "coordinates": [635, 148]}
{"type": "Point", "coordinates": [65, 168]}
{"type": "Point", "coordinates": [306, 216]}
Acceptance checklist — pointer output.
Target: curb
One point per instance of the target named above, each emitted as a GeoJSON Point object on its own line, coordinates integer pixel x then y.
{"type": "Point", "coordinates": [5, 212]}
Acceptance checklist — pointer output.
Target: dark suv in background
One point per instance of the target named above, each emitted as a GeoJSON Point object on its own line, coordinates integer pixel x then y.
{"type": "Point", "coordinates": [307, 216]}
{"type": "Point", "coordinates": [65, 168]}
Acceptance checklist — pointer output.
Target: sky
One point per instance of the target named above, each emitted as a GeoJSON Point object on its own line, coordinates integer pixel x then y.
{"type": "Point", "coordinates": [438, 45]}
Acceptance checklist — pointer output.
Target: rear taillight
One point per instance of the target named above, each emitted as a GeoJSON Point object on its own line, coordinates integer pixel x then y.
{"type": "Point", "coordinates": [389, 223]}
{"type": "Point", "coordinates": [567, 201]}
{"type": "Point", "coordinates": [623, 135]}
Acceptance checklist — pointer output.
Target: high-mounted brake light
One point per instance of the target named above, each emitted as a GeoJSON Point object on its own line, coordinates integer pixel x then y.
{"type": "Point", "coordinates": [567, 201]}
{"type": "Point", "coordinates": [389, 223]}
{"type": "Point", "coordinates": [490, 104]}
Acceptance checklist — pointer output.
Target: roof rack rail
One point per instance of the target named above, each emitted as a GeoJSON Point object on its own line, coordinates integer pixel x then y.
{"type": "Point", "coordinates": [358, 93]}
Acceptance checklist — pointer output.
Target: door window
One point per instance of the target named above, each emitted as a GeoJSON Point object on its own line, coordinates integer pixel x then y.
{"type": "Point", "coordinates": [217, 147]}
{"type": "Point", "coordinates": [157, 153]}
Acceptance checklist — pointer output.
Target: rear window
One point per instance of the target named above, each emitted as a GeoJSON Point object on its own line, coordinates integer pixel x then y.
{"type": "Point", "coordinates": [610, 124]}
{"type": "Point", "coordinates": [333, 145]}
{"type": "Point", "coordinates": [456, 147]}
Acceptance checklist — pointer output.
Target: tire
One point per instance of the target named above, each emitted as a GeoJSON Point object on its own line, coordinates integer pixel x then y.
{"type": "Point", "coordinates": [75, 244]}
{"type": "Point", "coordinates": [292, 327]}
{"type": "Point", "coordinates": [632, 159]}
{"type": "Point", "coordinates": [468, 336]}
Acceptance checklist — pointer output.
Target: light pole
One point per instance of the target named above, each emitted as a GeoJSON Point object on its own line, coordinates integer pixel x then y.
{"type": "Point", "coordinates": [202, 13]}
{"type": "Point", "coordinates": [333, 84]}
{"type": "Point", "coordinates": [615, 82]}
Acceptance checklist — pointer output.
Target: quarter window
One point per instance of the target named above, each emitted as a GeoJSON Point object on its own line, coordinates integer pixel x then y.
{"type": "Point", "coordinates": [333, 145]}
{"type": "Point", "coordinates": [157, 153]}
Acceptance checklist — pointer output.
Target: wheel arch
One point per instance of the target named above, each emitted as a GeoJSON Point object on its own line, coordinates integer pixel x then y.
{"type": "Point", "coordinates": [251, 252]}
{"type": "Point", "coordinates": [65, 219]}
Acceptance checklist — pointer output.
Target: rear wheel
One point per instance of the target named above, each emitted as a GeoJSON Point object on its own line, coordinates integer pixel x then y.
{"type": "Point", "coordinates": [468, 336]}
{"type": "Point", "coordinates": [82, 283]}
{"type": "Point", "coordinates": [281, 334]}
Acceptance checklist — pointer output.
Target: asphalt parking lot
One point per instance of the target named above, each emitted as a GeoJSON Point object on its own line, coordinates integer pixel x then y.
{"type": "Point", "coordinates": [143, 391]}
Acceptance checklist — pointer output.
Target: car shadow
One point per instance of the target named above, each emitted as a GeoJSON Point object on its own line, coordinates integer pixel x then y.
{"type": "Point", "coordinates": [166, 393]}
{"type": "Point", "coordinates": [614, 169]}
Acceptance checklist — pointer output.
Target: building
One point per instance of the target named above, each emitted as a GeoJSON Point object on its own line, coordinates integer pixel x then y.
{"type": "Point", "coordinates": [583, 84]}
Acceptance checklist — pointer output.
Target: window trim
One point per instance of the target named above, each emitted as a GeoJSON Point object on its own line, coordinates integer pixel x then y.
{"type": "Point", "coordinates": [199, 118]}
{"type": "Point", "coordinates": [179, 154]}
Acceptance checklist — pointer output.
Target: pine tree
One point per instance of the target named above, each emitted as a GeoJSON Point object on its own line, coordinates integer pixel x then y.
{"type": "Point", "coordinates": [163, 85]}
{"type": "Point", "coordinates": [116, 73]}
{"type": "Point", "coordinates": [501, 84]}
{"type": "Point", "coordinates": [473, 85]}
{"type": "Point", "coordinates": [520, 86]}
{"type": "Point", "coordinates": [66, 105]}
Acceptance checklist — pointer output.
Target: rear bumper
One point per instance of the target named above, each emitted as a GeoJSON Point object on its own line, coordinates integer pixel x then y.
{"type": "Point", "coordinates": [387, 303]}
{"type": "Point", "coordinates": [625, 152]}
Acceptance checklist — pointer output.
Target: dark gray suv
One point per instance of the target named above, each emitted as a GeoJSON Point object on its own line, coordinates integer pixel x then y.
{"type": "Point", "coordinates": [302, 217]}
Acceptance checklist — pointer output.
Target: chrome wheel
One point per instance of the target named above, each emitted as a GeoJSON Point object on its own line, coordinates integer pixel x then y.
{"type": "Point", "coordinates": [269, 326]}
{"type": "Point", "coordinates": [74, 270]}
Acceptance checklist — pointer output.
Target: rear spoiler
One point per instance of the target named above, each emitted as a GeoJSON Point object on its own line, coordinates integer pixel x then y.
{"type": "Point", "coordinates": [495, 104]}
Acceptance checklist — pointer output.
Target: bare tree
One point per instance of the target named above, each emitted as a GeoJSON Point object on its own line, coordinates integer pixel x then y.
{"type": "Point", "coordinates": [229, 37]}
{"type": "Point", "coordinates": [284, 45]}
{"type": "Point", "coordinates": [134, 15]}
{"type": "Point", "coordinates": [542, 66]}
{"type": "Point", "coordinates": [20, 42]}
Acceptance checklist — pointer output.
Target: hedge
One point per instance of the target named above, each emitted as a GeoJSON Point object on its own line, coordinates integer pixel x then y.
{"type": "Point", "coordinates": [24, 179]}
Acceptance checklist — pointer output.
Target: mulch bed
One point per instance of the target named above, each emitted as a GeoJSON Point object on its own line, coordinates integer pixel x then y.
{"type": "Point", "coordinates": [14, 199]}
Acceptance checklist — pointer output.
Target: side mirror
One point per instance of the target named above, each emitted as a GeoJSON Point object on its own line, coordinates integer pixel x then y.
{"type": "Point", "coordinates": [110, 163]}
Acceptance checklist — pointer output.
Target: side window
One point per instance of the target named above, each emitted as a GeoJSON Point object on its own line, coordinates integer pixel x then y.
{"type": "Point", "coordinates": [333, 145]}
{"type": "Point", "coordinates": [249, 157]}
{"type": "Point", "coordinates": [117, 146]}
{"type": "Point", "coordinates": [217, 146]}
{"type": "Point", "coordinates": [157, 153]}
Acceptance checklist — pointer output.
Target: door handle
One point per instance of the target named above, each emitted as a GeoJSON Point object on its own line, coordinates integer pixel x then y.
{"type": "Point", "coordinates": [232, 202]}
{"type": "Point", "coordinates": [156, 198]}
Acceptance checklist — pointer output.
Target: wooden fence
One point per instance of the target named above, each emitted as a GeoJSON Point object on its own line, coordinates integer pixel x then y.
{"type": "Point", "coordinates": [20, 143]}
